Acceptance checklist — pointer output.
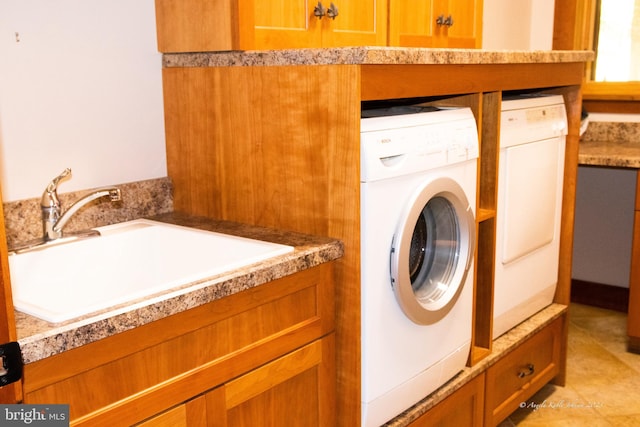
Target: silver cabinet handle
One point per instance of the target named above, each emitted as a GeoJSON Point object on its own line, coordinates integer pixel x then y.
{"type": "Point", "coordinates": [440, 20]}
{"type": "Point", "coordinates": [332, 12]}
{"type": "Point", "coordinates": [319, 10]}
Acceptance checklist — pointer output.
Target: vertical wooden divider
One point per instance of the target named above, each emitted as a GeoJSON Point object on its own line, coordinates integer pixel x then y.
{"type": "Point", "coordinates": [488, 127]}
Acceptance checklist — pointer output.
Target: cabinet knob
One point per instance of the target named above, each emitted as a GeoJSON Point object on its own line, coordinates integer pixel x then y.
{"type": "Point", "coordinates": [332, 12]}
{"type": "Point", "coordinates": [319, 10]}
{"type": "Point", "coordinates": [529, 370]}
{"type": "Point", "coordinates": [448, 21]}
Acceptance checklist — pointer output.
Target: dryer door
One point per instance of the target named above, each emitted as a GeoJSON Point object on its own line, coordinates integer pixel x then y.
{"type": "Point", "coordinates": [432, 251]}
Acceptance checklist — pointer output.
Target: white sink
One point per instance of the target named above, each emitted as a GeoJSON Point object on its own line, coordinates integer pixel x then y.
{"type": "Point", "coordinates": [131, 260]}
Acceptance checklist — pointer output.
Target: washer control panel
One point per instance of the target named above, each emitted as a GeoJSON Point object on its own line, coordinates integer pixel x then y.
{"type": "Point", "coordinates": [400, 145]}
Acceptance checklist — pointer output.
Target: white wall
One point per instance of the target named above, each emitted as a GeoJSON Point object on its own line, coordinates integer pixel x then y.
{"type": "Point", "coordinates": [80, 87]}
{"type": "Point", "coordinates": [518, 24]}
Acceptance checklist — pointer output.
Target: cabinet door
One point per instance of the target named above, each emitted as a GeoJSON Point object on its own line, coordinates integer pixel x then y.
{"type": "Point", "coordinates": [358, 23]}
{"type": "Point", "coordinates": [466, 30]}
{"type": "Point", "coordinates": [435, 23]}
{"type": "Point", "coordinates": [412, 23]}
{"type": "Point", "coordinates": [295, 390]}
{"type": "Point", "coordinates": [281, 24]}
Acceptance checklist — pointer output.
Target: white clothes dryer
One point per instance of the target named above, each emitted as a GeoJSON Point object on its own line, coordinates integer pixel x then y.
{"type": "Point", "coordinates": [418, 198]}
{"type": "Point", "coordinates": [530, 183]}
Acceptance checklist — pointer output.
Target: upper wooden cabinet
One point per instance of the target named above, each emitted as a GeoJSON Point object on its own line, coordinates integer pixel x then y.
{"type": "Point", "coordinates": [435, 23]}
{"type": "Point", "coordinates": [201, 25]}
{"type": "Point", "coordinates": [218, 25]}
{"type": "Point", "coordinates": [284, 24]}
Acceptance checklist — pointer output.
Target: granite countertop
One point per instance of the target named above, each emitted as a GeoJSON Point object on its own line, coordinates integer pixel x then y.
{"type": "Point", "coordinates": [613, 144]}
{"type": "Point", "coordinates": [368, 55]}
{"type": "Point", "coordinates": [39, 339]}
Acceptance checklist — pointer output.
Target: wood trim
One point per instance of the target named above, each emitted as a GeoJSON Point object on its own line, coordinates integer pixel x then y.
{"type": "Point", "coordinates": [417, 80]}
{"type": "Point", "coordinates": [213, 19]}
{"type": "Point", "coordinates": [633, 319]}
{"type": "Point", "coordinates": [611, 106]}
{"type": "Point", "coordinates": [573, 103]}
{"type": "Point", "coordinates": [564, 25]}
{"type": "Point", "coordinates": [600, 295]}
{"type": "Point", "coordinates": [612, 91]}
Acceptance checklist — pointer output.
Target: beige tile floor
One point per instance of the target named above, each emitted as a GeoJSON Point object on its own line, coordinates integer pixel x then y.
{"type": "Point", "coordinates": [603, 379]}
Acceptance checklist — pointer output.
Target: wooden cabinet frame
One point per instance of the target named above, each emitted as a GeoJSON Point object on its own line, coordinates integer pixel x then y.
{"type": "Point", "coordinates": [279, 147]}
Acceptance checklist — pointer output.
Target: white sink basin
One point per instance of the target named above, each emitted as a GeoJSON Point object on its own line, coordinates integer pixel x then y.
{"type": "Point", "coordinates": [131, 260]}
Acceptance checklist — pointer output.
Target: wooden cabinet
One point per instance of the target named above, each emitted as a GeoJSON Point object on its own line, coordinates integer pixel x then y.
{"type": "Point", "coordinates": [201, 25]}
{"type": "Point", "coordinates": [633, 321]}
{"type": "Point", "coordinates": [266, 352]}
{"type": "Point", "coordinates": [435, 23]}
{"type": "Point", "coordinates": [521, 373]}
{"type": "Point", "coordinates": [301, 143]}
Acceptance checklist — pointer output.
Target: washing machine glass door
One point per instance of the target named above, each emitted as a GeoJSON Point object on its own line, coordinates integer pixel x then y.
{"type": "Point", "coordinates": [432, 250]}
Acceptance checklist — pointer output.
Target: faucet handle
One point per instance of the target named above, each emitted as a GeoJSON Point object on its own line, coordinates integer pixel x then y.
{"type": "Point", "coordinates": [50, 194]}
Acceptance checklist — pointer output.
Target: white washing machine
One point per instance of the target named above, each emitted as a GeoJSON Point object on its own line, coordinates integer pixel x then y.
{"type": "Point", "coordinates": [530, 182]}
{"type": "Point", "coordinates": [418, 197]}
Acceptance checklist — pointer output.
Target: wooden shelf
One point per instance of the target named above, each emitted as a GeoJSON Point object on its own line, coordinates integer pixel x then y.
{"type": "Point", "coordinates": [485, 214]}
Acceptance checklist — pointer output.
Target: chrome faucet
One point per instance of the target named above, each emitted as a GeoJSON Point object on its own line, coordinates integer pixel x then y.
{"type": "Point", "coordinates": [53, 219]}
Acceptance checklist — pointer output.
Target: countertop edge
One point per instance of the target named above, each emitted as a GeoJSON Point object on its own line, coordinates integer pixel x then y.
{"type": "Point", "coordinates": [371, 55]}
{"type": "Point", "coordinates": [39, 339]}
{"type": "Point", "coordinates": [618, 154]}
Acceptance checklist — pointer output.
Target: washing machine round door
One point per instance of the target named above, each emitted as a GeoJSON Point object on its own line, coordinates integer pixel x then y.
{"type": "Point", "coordinates": [432, 250]}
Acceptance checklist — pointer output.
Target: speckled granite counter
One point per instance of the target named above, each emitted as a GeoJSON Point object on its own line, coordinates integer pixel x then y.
{"type": "Point", "coordinates": [39, 339]}
{"type": "Point", "coordinates": [611, 144]}
{"type": "Point", "coordinates": [501, 346]}
{"type": "Point", "coordinates": [369, 55]}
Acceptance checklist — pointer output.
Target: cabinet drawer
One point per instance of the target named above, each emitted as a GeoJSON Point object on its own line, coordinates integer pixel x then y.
{"type": "Point", "coordinates": [462, 408]}
{"type": "Point", "coordinates": [521, 373]}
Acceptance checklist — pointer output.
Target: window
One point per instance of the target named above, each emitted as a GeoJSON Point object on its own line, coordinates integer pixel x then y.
{"type": "Point", "coordinates": [617, 41]}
